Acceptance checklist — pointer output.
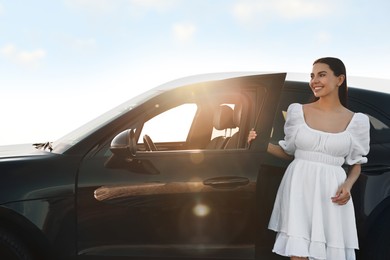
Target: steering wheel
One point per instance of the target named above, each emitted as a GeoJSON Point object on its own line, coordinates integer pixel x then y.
{"type": "Point", "coordinates": [149, 144]}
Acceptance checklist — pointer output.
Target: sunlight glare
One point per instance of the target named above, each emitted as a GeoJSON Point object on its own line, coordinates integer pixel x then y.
{"type": "Point", "coordinates": [201, 210]}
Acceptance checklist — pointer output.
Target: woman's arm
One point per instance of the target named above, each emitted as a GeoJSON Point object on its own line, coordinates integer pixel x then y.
{"type": "Point", "coordinates": [273, 149]}
{"type": "Point", "coordinates": [277, 151]}
{"type": "Point", "coordinates": [343, 194]}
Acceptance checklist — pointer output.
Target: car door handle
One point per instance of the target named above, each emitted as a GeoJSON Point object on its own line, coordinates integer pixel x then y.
{"type": "Point", "coordinates": [226, 182]}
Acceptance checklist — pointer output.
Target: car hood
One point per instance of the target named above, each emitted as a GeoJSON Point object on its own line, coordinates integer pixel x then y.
{"type": "Point", "coordinates": [20, 150]}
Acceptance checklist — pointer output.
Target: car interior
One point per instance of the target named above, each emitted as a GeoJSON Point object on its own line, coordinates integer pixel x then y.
{"type": "Point", "coordinates": [222, 121]}
{"type": "Point", "coordinates": [192, 126]}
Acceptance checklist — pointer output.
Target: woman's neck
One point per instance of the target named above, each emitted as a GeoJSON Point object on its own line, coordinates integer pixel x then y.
{"type": "Point", "coordinates": [329, 103]}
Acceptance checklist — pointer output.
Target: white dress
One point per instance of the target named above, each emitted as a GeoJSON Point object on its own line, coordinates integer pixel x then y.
{"type": "Point", "coordinates": [308, 223]}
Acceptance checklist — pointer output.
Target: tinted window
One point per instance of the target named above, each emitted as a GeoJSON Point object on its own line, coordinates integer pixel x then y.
{"type": "Point", "coordinates": [376, 106]}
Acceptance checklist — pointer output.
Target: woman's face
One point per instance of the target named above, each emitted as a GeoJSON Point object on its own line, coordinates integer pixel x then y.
{"type": "Point", "coordinates": [323, 81]}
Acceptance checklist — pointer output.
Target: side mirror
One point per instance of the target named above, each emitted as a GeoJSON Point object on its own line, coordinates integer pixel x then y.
{"type": "Point", "coordinates": [124, 149]}
{"type": "Point", "coordinates": [124, 144]}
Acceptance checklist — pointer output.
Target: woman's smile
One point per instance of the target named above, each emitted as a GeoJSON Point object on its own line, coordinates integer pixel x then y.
{"type": "Point", "coordinates": [317, 88]}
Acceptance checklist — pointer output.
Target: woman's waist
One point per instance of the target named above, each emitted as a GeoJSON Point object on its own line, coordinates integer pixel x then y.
{"type": "Point", "coordinates": [319, 157]}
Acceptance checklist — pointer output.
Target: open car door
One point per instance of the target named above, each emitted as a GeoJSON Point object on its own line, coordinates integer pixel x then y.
{"type": "Point", "coordinates": [156, 187]}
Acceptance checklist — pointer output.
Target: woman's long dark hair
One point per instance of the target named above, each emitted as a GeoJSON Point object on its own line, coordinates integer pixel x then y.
{"type": "Point", "coordinates": [338, 68]}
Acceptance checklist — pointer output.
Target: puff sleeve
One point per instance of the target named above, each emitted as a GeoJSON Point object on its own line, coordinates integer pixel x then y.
{"type": "Point", "coordinates": [360, 140]}
{"type": "Point", "coordinates": [293, 121]}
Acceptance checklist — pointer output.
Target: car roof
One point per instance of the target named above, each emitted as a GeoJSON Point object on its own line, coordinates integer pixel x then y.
{"type": "Point", "coordinates": [367, 83]}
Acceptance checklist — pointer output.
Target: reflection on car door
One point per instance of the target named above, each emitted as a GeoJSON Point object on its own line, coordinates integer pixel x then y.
{"type": "Point", "coordinates": [185, 203]}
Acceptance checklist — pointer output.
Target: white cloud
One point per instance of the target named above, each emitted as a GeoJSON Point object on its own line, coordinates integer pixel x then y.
{"type": "Point", "coordinates": [106, 6]}
{"type": "Point", "coordinates": [82, 44]}
{"type": "Point", "coordinates": [29, 59]}
{"type": "Point", "coordinates": [159, 5]}
{"type": "Point", "coordinates": [8, 50]}
{"type": "Point", "coordinates": [248, 11]}
{"type": "Point", "coordinates": [301, 8]}
{"type": "Point", "coordinates": [324, 38]}
{"type": "Point", "coordinates": [93, 5]}
{"type": "Point", "coordinates": [184, 32]}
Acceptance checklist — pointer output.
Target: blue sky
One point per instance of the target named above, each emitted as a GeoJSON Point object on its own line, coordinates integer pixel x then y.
{"type": "Point", "coordinates": [64, 62]}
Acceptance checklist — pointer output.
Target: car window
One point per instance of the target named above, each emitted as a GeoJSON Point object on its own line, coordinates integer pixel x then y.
{"type": "Point", "coordinates": [377, 124]}
{"type": "Point", "coordinates": [170, 126]}
{"type": "Point", "coordinates": [204, 121]}
{"type": "Point", "coordinates": [380, 131]}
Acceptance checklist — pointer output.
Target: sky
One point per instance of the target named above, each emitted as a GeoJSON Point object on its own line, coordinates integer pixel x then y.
{"type": "Point", "coordinates": [65, 62]}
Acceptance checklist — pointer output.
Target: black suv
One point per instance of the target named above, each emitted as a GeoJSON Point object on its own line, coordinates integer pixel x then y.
{"type": "Point", "coordinates": [169, 175]}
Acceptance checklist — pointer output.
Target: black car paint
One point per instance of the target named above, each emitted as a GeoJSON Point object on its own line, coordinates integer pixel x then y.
{"type": "Point", "coordinates": [42, 193]}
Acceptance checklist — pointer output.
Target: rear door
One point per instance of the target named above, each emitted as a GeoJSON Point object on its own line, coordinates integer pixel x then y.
{"type": "Point", "coordinates": [180, 199]}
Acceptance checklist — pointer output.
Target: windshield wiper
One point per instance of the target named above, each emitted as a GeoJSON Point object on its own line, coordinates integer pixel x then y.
{"type": "Point", "coordinates": [44, 146]}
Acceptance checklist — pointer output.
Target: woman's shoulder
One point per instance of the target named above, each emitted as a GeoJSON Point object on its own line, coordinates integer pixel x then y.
{"type": "Point", "coordinates": [361, 116]}
{"type": "Point", "coordinates": [359, 124]}
{"type": "Point", "coordinates": [294, 107]}
{"type": "Point", "coordinates": [295, 114]}
{"type": "Point", "coordinates": [360, 119]}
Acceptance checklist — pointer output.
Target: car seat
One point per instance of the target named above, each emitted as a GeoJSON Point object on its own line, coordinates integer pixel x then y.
{"type": "Point", "coordinates": [233, 142]}
{"type": "Point", "coordinates": [223, 120]}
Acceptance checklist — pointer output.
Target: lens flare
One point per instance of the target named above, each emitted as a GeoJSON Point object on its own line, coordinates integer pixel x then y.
{"type": "Point", "coordinates": [201, 210]}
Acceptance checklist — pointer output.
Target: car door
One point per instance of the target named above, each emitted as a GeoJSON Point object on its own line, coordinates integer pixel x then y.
{"type": "Point", "coordinates": [179, 199]}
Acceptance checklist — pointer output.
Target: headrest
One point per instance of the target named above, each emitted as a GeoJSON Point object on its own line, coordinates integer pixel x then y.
{"type": "Point", "coordinates": [223, 117]}
{"type": "Point", "coordinates": [237, 115]}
